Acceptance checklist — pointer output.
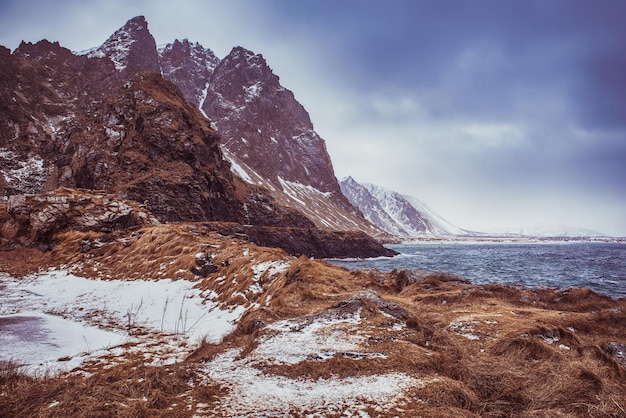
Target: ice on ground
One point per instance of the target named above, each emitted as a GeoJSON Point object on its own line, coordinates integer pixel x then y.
{"type": "Point", "coordinates": [45, 342]}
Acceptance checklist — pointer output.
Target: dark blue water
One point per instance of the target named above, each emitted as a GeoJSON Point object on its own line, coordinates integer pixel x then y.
{"type": "Point", "coordinates": [598, 266]}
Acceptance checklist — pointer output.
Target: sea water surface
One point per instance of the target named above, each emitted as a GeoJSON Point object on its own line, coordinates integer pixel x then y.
{"type": "Point", "coordinates": [598, 266]}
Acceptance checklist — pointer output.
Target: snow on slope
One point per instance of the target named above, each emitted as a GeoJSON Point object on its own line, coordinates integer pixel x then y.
{"type": "Point", "coordinates": [404, 216]}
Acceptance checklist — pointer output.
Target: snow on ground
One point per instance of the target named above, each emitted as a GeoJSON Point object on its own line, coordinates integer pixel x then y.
{"type": "Point", "coordinates": [266, 272]}
{"type": "Point", "coordinates": [132, 312]}
{"type": "Point", "coordinates": [293, 341]}
{"type": "Point", "coordinates": [253, 391]}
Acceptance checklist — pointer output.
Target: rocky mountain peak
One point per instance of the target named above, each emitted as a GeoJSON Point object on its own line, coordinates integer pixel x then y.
{"type": "Point", "coordinates": [189, 65]}
{"type": "Point", "coordinates": [91, 134]}
{"type": "Point", "coordinates": [132, 48]}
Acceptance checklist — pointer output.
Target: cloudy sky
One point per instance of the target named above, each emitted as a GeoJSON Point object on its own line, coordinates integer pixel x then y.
{"type": "Point", "coordinates": [495, 113]}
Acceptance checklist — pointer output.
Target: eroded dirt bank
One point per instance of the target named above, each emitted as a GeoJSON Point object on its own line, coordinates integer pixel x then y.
{"type": "Point", "coordinates": [312, 339]}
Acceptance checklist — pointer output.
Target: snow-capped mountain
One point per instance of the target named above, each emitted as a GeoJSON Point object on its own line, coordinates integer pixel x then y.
{"type": "Point", "coordinates": [131, 48]}
{"type": "Point", "coordinates": [266, 134]}
{"type": "Point", "coordinates": [400, 215]}
{"type": "Point", "coordinates": [108, 120]}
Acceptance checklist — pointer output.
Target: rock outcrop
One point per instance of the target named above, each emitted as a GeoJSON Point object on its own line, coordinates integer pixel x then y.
{"type": "Point", "coordinates": [33, 220]}
{"type": "Point", "coordinates": [189, 66]}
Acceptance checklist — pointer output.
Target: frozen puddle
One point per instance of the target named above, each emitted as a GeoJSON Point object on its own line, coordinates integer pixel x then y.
{"type": "Point", "coordinates": [43, 342]}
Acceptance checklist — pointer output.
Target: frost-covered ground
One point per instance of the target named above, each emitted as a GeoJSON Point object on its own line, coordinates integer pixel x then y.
{"type": "Point", "coordinates": [54, 321]}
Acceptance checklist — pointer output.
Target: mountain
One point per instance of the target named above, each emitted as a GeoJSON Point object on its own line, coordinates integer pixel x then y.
{"type": "Point", "coordinates": [403, 216]}
{"type": "Point", "coordinates": [132, 48]}
{"type": "Point", "coordinates": [545, 230]}
{"type": "Point", "coordinates": [189, 66]}
{"type": "Point", "coordinates": [267, 135]}
{"type": "Point", "coordinates": [280, 149]}
{"type": "Point", "coordinates": [97, 121]}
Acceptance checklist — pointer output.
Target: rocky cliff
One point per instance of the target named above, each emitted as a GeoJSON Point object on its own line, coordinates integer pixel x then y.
{"type": "Point", "coordinates": [266, 133]}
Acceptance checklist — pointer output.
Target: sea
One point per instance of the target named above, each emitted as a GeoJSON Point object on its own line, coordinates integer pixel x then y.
{"type": "Point", "coordinates": [599, 266]}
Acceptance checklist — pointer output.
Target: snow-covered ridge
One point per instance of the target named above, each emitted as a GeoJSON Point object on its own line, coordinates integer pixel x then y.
{"type": "Point", "coordinates": [116, 47]}
{"type": "Point", "coordinates": [403, 216]}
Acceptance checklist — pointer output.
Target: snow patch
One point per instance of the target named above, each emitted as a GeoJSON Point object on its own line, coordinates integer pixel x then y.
{"type": "Point", "coordinates": [136, 309]}
{"type": "Point", "coordinates": [293, 341]}
{"type": "Point", "coordinates": [203, 99]}
{"type": "Point", "coordinates": [298, 191]}
{"type": "Point", "coordinates": [238, 169]}
{"type": "Point", "coordinates": [266, 272]}
{"type": "Point", "coordinates": [254, 393]}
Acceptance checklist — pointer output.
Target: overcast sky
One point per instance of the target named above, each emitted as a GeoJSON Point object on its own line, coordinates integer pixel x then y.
{"type": "Point", "coordinates": [495, 113]}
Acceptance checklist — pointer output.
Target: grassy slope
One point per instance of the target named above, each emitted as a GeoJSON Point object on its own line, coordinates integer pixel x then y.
{"type": "Point", "coordinates": [468, 350]}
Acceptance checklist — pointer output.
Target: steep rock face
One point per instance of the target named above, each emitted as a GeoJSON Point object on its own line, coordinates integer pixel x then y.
{"type": "Point", "coordinates": [403, 216]}
{"type": "Point", "coordinates": [267, 135]}
{"type": "Point", "coordinates": [75, 120]}
{"type": "Point", "coordinates": [259, 118]}
{"type": "Point", "coordinates": [189, 66]}
{"type": "Point", "coordinates": [150, 145]}
{"type": "Point", "coordinates": [269, 138]}
{"type": "Point", "coordinates": [43, 87]}
{"type": "Point", "coordinates": [131, 48]}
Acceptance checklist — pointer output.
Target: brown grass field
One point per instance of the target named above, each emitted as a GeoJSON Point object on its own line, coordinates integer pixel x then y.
{"type": "Point", "coordinates": [476, 351]}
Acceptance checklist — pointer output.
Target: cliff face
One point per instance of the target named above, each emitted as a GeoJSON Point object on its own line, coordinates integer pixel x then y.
{"type": "Point", "coordinates": [189, 66]}
{"type": "Point", "coordinates": [150, 145]}
{"type": "Point", "coordinates": [270, 140]}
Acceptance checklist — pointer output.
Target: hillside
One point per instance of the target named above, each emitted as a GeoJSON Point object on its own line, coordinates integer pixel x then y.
{"type": "Point", "coordinates": [168, 320]}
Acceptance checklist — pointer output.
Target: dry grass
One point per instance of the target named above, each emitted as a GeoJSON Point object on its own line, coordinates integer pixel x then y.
{"type": "Point", "coordinates": [488, 351]}
{"type": "Point", "coordinates": [129, 390]}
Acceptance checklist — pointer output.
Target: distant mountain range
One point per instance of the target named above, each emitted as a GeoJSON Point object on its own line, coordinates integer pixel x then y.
{"type": "Point", "coordinates": [408, 218]}
{"type": "Point", "coordinates": [548, 230]}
